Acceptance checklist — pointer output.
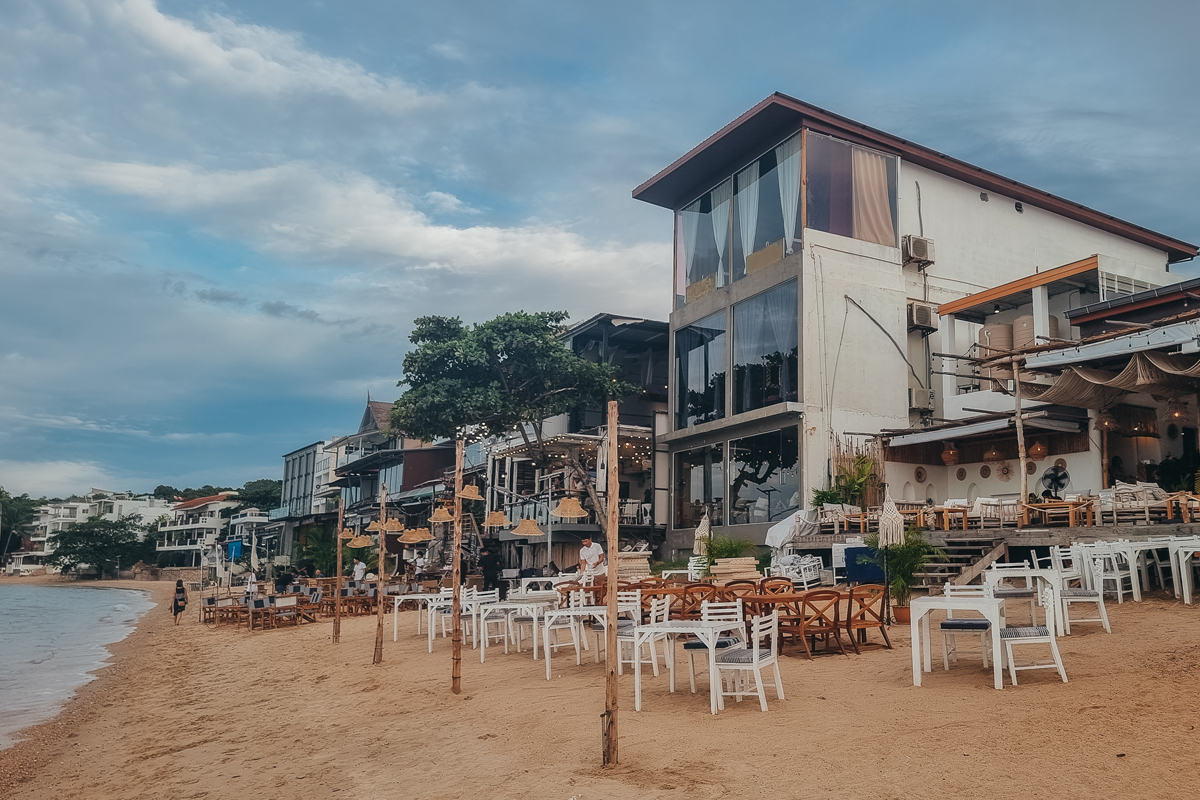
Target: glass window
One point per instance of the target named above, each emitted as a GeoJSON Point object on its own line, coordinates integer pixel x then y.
{"type": "Point", "coordinates": [700, 371]}
{"type": "Point", "coordinates": [704, 226]}
{"type": "Point", "coordinates": [766, 205]}
{"type": "Point", "coordinates": [699, 482]}
{"type": "Point", "coordinates": [851, 190]}
{"type": "Point", "coordinates": [764, 479]}
{"type": "Point", "coordinates": [765, 349]}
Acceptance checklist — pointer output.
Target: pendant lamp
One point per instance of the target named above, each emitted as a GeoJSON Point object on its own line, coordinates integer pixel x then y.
{"type": "Point", "coordinates": [417, 535]}
{"type": "Point", "coordinates": [470, 492]}
{"type": "Point", "coordinates": [440, 514]}
{"type": "Point", "coordinates": [1038, 451]}
{"type": "Point", "coordinates": [375, 526]}
{"type": "Point", "coordinates": [496, 519]}
{"type": "Point", "coordinates": [569, 508]}
{"type": "Point", "coordinates": [950, 454]}
{"type": "Point", "coordinates": [993, 455]}
{"type": "Point", "coordinates": [360, 541]}
{"type": "Point", "coordinates": [527, 527]}
{"type": "Point", "coordinates": [1106, 420]}
{"type": "Point", "coordinates": [346, 534]}
{"type": "Point", "coordinates": [1177, 409]}
{"type": "Point", "coordinates": [392, 525]}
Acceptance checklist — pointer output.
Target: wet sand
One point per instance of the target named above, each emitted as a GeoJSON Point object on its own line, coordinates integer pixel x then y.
{"type": "Point", "coordinates": [197, 711]}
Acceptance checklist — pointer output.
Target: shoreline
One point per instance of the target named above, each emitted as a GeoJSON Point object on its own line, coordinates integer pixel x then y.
{"type": "Point", "coordinates": [36, 745]}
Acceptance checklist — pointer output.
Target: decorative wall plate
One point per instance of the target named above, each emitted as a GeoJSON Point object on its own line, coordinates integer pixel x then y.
{"type": "Point", "coordinates": [1031, 467]}
{"type": "Point", "coordinates": [961, 474]}
{"type": "Point", "coordinates": [1060, 462]}
{"type": "Point", "coordinates": [985, 471]}
{"type": "Point", "coordinates": [1172, 431]}
{"type": "Point", "coordinates": [920, 474]}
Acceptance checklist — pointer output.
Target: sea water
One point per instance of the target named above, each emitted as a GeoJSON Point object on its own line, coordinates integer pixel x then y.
{"type": "Point", "coordinates": [51, 639]}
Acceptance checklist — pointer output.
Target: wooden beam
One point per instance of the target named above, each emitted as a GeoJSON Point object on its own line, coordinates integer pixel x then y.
{"type": "Point", "coordinates": [1021, 285]}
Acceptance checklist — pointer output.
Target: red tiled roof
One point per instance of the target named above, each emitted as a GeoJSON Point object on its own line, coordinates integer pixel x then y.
{"type": "Point", "coordinates": [200, 501]}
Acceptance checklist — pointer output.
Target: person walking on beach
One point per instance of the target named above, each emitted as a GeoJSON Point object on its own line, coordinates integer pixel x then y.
{"type": "Point", "coordinates": [179, 603]}
{"type": "Point", "coordinates": [591, 556]}
{"type": "Point", "coordinates": [251, 583]}
{"type": "Point", "coordinates": [359, 570]}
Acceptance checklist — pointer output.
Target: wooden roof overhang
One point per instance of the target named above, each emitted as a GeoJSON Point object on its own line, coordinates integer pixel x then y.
{"type": "Point", "coordinates": [1082, 275]}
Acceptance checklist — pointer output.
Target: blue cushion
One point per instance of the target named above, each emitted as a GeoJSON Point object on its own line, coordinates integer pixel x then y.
{"type": "Point", "coordinates": [722, 641]}
{"type": "Point", "coordinates": [966, 625]}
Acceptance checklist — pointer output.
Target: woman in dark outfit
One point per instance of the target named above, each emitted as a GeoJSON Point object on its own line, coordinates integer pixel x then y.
{"type": "Point", "coordinates": [179, 603]}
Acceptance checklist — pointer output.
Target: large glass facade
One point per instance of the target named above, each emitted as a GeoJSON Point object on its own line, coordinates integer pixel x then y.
{"type": "Point", "coordinates": [764, 481]}
{"type": "Point", "coordinates": [699, 484]}
{"type": "Point", "coordinates": [700, 371]}
{"type": "Point", "coordinates": [765, 349]}
{"type": "Point", "coordinates": [766, 206]}
{"type": "Point", "coordinates": [704, 224]}
{"type": "Point", "coordinates": [851, 190]}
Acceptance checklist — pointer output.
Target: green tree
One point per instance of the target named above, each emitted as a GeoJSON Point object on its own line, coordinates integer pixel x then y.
{"type": "Point", "coordinates": [263, 494]}
{"type": "Point", "coordinates": [165, 492]}
{"type": "Point", "coordinates": [509, 373]}
{"type": "Point", "coordinates": [16, 519]}
{"type": "Point", "coordinates": [97, 542]}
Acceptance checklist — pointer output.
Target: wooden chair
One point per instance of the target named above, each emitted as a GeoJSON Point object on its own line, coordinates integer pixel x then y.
{"type": "Point", "coordinates": [865, 611]}
{"type": "Point", "coordinates": [694, 596]}
{"type": "Point", "coordinates": [739, 588]}
{"type": "Point", "coordinates": [820, 613]}
{"type": "Point", "coordinates": [208, 609]}
{"type": "Point", "coordinates": [286, 610]}
{"type": "Point", "coordinates": [776, 586]}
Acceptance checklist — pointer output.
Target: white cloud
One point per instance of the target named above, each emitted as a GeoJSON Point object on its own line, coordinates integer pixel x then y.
{"type": "Point", "coordinates": [447, 203]}
{"type": "Point", "coordinates": [58, 478]}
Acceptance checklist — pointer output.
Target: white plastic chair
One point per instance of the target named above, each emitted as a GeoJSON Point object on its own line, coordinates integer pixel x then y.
{"type": "Point", "coordinates": [711, 611]}
{"type": "Point", "coordinates": [1082, 595]}
{"type": "Point", "coordinates": [1114, 570]}
{"type": "Point", "coordinates": [624, 598]}
{"type": "Point", "coordinates": [743, 662]}
{"type": "Point", "coordinates": [994, 575]}
{"type": "Point", "coordinates": [952, 627]}
{"type": "Point", "coordinates": [1034, 634]}
{"type": "Point", "coordinates": [660, 610]}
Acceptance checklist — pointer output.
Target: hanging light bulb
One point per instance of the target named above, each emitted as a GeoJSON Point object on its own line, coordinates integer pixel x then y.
{"type": "Point", "coordinates": [1105, 420]}
{"type": "Point", "coordinates": [1038, 451]}
{"type": "Point", "coordinates": [496, 519]}
{"type": "Point", "coordinates": [1177, 409]}
{"type": "Point", "coordinates": [950, 454]}
{"type": "Point", "coordinates": [527, 527]}
{"type": "Point", "coordinates": [993, 455]}
{"type": "Point", "coordinates": [569, 508]}
{"type": "Point", "coordinates": [440, 514]}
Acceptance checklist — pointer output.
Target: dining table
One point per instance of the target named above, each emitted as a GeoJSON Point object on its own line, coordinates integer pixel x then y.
{"type": "Point", "coordinates": [532, 606]}
{"type": "Point", "coordinates": [1041, 575]}
{"type": "Point", "coordinates": [946, 513]}
{"type": "Point", "coordinates": [578, 614]}
{"type": "Point", "coordinates": [1072, 508]}
{"type": "Point", "coordinates": [985, 604]}
{"type": "Point", "coordinates": [706, 631]}
{"type": "Point", "coordinates": [421, 598]}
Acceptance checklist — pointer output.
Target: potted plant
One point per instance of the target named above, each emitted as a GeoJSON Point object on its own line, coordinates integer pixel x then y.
{"type": "Point", "coordinates": [851, 480]}
{"type": "Point", "coordinates": [901, 563]}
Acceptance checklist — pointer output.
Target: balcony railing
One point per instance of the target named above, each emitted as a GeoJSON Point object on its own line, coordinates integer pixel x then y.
{"type": "Point", "coordinates": [277, 513]}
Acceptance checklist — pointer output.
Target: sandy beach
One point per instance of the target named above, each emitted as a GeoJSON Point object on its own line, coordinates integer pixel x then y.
{"type": "Point", "coordinates": [197, 711]}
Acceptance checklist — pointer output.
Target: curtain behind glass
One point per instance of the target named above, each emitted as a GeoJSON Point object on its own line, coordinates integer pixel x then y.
{"type": "Point", "coordinates": [780, 316]}
{"type": "Point", "coordinates": [787, 156]}
{"type": "Point", "coordinates": [720, 224]}
{"type": "Point", "coordinates": [691, 230]}
{"type": "Point", "coordinates": [765, 331]}
{"type": "Point", "coordinates": [872, 209]}
{"type": "Point", "coordinates": [747, 206]}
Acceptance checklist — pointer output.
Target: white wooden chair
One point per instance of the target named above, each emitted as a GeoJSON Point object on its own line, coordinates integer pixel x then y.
{"type": "Point", "coordinates": [995, 577]}
{"type": "Point", "coordinates": [660, 610]}
{"type": "Point", "coordinates": [1114, 570]}
{"type": "Point", "coordinates": [749, 660]}
{"type": "Point", "coordinates": [624, 598]}
{"type": "Point", "coordinates": [695, 569]}
{"type": "Point", "coordinates": [952, 627]}
{"type": "Point", "coordinates": [711, 611]}
{"type": "Point", "coordinates": [1083, 595]}
{"type": "Point", "coordinates": [1035, 634]}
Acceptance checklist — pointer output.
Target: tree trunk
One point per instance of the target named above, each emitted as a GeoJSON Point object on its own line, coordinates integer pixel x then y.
{"type": "Point", "coordinates": [337, 589]}
{"type": "Point", "coordinates": [611, 655]}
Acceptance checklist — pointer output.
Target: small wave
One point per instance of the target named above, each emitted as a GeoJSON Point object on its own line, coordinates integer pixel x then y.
{"type": "Point", "coordinates": [120, 607]}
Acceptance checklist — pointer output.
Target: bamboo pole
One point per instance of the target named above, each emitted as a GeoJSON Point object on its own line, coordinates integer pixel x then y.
{"type": "Point", "coordinates": [1020, 422]}
{"type": "Point", "coordinates": [608, 724]}
{"type": "Point", "coordinates": [337, 588]}
{"type": "Point", "coordinates": [379, 582]}
{"type": "Point", "coordinates": [456, 574]}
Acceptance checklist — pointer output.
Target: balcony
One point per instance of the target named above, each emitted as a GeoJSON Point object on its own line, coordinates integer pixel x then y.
{"type": "Point", "coordinates": [198, 543]}
{"type": "Point", "coordinates": [277, 513]}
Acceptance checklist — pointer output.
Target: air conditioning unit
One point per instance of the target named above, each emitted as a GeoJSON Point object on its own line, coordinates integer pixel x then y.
{"type": "Point", "coordinates": [922, 317]}
{"type": "Point", "coordinates": [920, 399]}
{"type": "Point", "coordinates": [917, 250]}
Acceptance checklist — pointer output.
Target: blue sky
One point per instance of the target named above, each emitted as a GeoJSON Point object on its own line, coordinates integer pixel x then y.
{"type": "Point", "coordinates": [217, 220]}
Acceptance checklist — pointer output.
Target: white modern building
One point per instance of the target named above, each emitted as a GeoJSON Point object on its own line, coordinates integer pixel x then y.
{"type": "Point", "coordinates": [820, 265]}
{"type": "Point", "coordinates": [195, 527]}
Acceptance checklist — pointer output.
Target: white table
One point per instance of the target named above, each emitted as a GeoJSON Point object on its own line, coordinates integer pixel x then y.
{"type": "Point", "coordinates": [533, 606]}
{"type": "Point", "coordinates": [421, 599]}
{"type": "Point", "coordinates": [706, 631]}
{"type": "Point", "coordinates": [921, 637]}
{"type": "Point", "coordinates": [1181, 568]}
{"type": "Point", "coordinates": [577, 614]}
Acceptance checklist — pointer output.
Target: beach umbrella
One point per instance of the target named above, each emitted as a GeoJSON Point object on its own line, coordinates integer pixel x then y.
{"type": "Point", "coordinates": [254, 552]}
{"type": "Point", "coordinates": [703, 534]}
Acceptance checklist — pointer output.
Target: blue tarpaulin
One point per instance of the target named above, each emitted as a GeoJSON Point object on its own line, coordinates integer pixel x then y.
{"type": "Point", "coordinates": [235, 550]}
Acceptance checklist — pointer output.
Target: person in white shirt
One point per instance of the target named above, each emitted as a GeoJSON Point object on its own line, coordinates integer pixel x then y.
{"type": "Point", "coordinates": [591, 556]}
{"type": "Point", "coordinates": [420, 562]}
{"type": "Point", "coordinates": [359, 569]}
{"type": "Point", "coordinates": [251, 583]}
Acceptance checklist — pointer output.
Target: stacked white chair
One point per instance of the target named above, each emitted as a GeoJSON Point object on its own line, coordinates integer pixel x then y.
{"type": "Point", "coordinates": [1035, 634]}
{"type": "Point", "coordinates": [711, 611]}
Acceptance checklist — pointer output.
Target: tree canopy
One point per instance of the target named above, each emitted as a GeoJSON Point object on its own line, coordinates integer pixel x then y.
{"type": "Point", "coordinates": [16, 518]}
{"type": "Point", "coordinates": [99, 543]}
{"type": "Point", "coordinates": [497, 374]}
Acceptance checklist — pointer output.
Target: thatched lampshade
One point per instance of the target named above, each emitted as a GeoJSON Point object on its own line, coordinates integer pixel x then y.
{"type": "Point", "coordinates": [375, 526]}
{"type": "Point", "coordinates": [993, 456]}
{"type": "Point", "coordinates": [420, 535]}
{"type": "Point", "coordinates": [441, 515]}
{"type": "Point", "coordinates": [569, 508]}
{"type": "Point", "coordinates": [470, 492]}
{"type": "Point", "coordinates": [496, 519]}
{"type": "Point", "coordinates": [393, 525]}
{"type": "Point", "coordinates": [1177, 409]}
{"type": "Point", "coordinates": [1106, 420]}
{"type": "Point", "coordinates": [1038, 451]}
{"type": "Point", "coordinates": [409, 537]}
{"type": "Point", "coordinates": [346, 534]}
{"type": "Point", "coordinates": [950, 454]}
{"type": "Point", "coordinates": [360, 541]}
{"type": "Point", "coordinates": [527, 527]}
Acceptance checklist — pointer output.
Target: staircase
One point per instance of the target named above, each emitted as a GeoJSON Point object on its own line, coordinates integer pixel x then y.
{"type": "Point", "coordinates": [969, 556]}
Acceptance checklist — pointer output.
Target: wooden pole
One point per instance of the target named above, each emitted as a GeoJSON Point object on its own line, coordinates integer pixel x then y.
{"type": "Point", "coordinates": [608, 724]}
{"type": "Point", "coordinates": [456, 574]}
{"type": "Point", "coordinates": [379, 582]}
{"type": "Point", "coordinates": [1020, 437]}
{"type": "Point", "coordinates": [337, 588]}
{"type": "Point", "coordinates": [1106, 480]}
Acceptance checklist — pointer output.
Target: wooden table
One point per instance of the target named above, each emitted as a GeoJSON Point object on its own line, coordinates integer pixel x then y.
{"type": "Point", "coordinates": [1072, 507]}
{"type": "Point", "coordinates": [946, 512]}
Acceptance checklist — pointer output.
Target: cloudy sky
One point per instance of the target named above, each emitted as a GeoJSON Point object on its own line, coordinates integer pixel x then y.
{"type": "Point", "coordinates": [217, 220]}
